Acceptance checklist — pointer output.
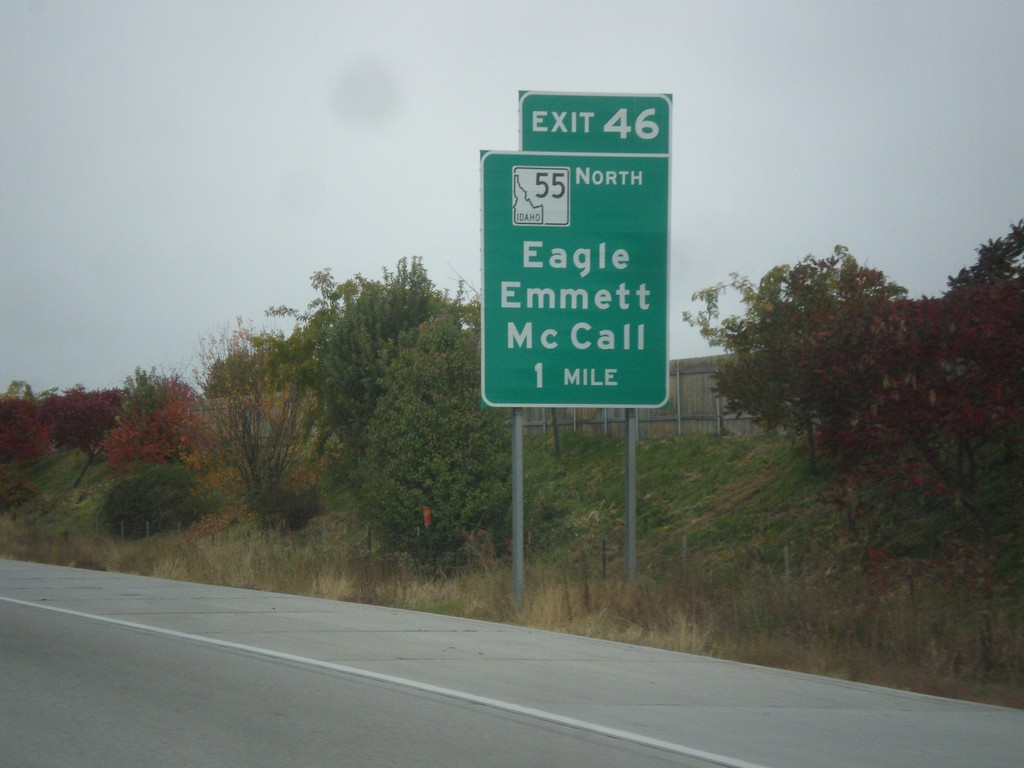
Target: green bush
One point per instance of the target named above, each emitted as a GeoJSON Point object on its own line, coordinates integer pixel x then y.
{"type": "Point", "coordinates": [431, 444]}
{"type": "Point", "coordinates": [15, 488]}
{"type": "Point", "coordinates": [285, 507]}
{"type": "Point", "coordinates": [160, 497]}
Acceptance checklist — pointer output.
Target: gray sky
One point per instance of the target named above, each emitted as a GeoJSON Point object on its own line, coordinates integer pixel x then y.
{"type": "Point", "coordinates": [168, 166]}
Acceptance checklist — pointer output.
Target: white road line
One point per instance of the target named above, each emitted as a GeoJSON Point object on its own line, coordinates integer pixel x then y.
{"type": "Point", "coordinates": [498, 704]}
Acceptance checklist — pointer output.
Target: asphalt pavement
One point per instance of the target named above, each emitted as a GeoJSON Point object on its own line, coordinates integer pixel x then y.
{"type": "Point", "coordinates": [95, 667]}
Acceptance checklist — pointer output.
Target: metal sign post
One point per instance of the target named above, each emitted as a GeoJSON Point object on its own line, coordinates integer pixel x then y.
{"type": "Point", "coordinates": [629, 544]}
{"type": "Point", "coordinates": [517, 507]}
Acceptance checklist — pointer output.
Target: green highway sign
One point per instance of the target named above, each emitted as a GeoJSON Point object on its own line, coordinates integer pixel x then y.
{"type": "Point", "coordinates": [595, 123]}
{"type": "Point", "coordinates": [575, 279]}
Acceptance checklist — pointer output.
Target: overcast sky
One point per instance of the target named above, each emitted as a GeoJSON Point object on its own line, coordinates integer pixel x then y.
{"type": "Point", "coordinates": [168, 166]}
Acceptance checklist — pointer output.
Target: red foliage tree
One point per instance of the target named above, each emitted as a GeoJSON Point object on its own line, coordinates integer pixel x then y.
{"type": "Point", "coordinates": [80, 420]}
{"type": "Point", "coordinates": [933, 386]}
{"type": "Point", "coordinates": [24, 437]}
{"type": "Point", "coordinates": [158, 423]}
{"type": "Point", "coordinates": [797, 319]}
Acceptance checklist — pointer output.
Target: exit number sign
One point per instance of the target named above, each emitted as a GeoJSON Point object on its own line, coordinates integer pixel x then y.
{"type": "Point", "coordinates": [594, 123]}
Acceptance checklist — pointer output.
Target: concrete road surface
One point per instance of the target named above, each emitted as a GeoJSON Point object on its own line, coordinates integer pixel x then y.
{"type": "Point", "coordinates": [101, 669]}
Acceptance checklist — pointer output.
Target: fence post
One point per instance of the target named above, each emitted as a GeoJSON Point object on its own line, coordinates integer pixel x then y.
{"type": "Point", "coordinates": [679, 401]}
{"type": "Point", "coordinates": [785, 560]}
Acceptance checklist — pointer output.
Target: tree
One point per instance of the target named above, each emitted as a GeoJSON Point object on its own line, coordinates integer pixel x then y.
{"type": "Point", "coordinates": [24, 436]}
{"type": "Point", "coordinates": [336, 351]}
{"type": "Point", "coordinates": [158, 422]}
{"type": "Point", "coordinates": [80, 420]}
{"type": "Point", "coordinates": [254, 425]}
{"type": "Point", "coordinates": [432, 444]}
{"type": "Point", "coordinates": [23, 390]}
{"type": "Point", "coordinates": [998, 260]}
{"type": "Point", "coordinates": [795, 319]}
{"type": "Point", "coordinates": [939, 386]}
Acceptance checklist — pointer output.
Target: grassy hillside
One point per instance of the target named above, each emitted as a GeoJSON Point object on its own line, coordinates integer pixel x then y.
{"type": "Point", "coordinates": [710, 495]}
{"type": "Point", "coordinates": [743, 554]}
{"type": "Point", "coordinates": [59, 507]}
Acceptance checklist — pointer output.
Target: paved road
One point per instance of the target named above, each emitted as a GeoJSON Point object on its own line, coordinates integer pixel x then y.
{"type": "Point", "coordinates": [100, 669]}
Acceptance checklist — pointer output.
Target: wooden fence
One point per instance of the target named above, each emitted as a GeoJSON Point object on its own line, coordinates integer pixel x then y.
{"type": "Point", "coordinates": [693, 408]}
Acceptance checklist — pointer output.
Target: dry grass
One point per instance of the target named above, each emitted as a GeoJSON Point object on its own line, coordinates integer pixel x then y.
{"type": "Point", "coordinates": [932, 640]}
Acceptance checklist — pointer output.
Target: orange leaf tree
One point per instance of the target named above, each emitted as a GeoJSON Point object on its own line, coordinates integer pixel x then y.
{"type": "Point", "coordinates": [254, 427]}
{"type": "Point", "coordinates": [158, 422]}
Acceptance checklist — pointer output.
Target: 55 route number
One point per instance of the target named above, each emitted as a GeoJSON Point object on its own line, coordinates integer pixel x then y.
{"type": "Point", "coordinates": [551, 182]}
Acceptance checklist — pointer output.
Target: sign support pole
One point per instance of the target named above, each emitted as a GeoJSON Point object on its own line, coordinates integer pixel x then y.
{"type": "Point", "coordinates": [630, 533]}
{"type": "Point", "coordinates": [517, 507]}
